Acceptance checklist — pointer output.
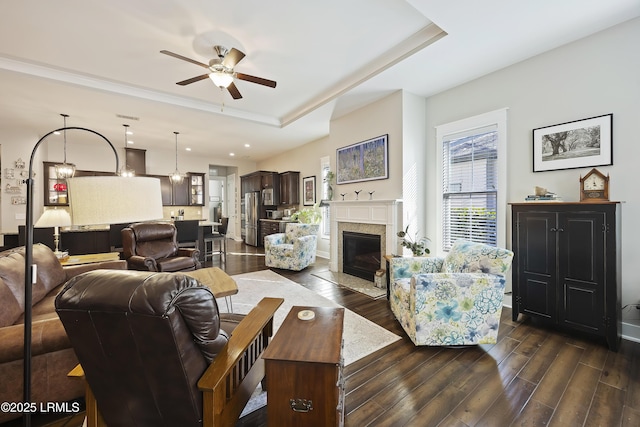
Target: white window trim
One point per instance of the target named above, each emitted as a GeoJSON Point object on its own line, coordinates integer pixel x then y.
{"type": "Point", "coordinates": [498, 118]}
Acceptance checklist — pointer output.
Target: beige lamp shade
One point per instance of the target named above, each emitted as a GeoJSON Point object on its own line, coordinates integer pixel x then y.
{"type": "Point", "coordinates": [54, 218]}
{"type": "Point", "coordinates": [114, 199]}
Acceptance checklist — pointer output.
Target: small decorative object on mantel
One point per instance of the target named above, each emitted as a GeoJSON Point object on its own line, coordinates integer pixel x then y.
{"type": "Point", "coordinates": [343, 194]}
{"type": "Point", "coordinates": [594, 187]}
{"type": "Point", "coordinates": [418, 246]}
{"type": "Point", "coordinates": [371, 194]}
{"type": "Point", "coordinates": [357, 193]}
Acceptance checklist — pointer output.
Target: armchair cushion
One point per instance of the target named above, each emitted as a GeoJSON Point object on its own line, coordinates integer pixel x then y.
{"type": "Point", "coordinates": [471, 257]}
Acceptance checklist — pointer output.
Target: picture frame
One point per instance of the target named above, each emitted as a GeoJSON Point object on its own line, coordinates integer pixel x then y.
{"type": "Point", "coordinates": [363, 161]}
{"type": "Point", "coordinates": [577, 144]}
{"type": "Point", "coordinates": [309, 190]}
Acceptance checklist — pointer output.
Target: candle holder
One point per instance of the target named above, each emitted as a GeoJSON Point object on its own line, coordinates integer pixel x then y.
{"type": "Point", "coordinates": [343, 194]}
{"type": "Point", "coordinates": [357, 193]}
{"type": "Point", "coordinates": [371, 194]}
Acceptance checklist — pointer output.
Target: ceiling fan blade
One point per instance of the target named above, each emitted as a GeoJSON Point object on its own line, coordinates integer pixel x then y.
{"type": "Point", "coordinates": [254, 79]}
{"type": "Point", "coordinates": [192, 80]}
{"type": "Point", "coordinates": [184, 58]}
{"type": "Point", "coordinates": [233, 90]}
{"type": "Point", "coordinates": [232, 58]}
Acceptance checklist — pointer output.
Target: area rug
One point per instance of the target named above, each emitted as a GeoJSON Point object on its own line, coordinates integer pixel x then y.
{"type": "Point", "coordinates": [361, 337]}
{"type": "Point", "coordinates": [351, 282]}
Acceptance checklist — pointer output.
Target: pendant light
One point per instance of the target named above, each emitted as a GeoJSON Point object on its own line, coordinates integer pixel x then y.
{"type": "Point", "coordinates": [176, 177]}
{"type": "Point", "coordinates": [125, 171]}
{"type": "Point", "coordinates": [65, 170]}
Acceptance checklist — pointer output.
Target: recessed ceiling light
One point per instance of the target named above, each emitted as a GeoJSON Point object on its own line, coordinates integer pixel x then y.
{"type": "Point", "coordinates": [232, 154]}
{"type": "Point", "coordinates": [130, 142]}
{"type": "Point", "coordinates": [129, 132]}
{"type": "Point", "coordinates": [188, 148]}
{"type": "Point", "coordinates": [247, 145]}
{"type": "Point", "coordinates": [56, 133]}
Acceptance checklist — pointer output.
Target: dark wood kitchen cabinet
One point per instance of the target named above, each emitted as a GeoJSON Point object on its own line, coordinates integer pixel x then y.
{"type": "Point", "coordinates": [567, 265]}
{"type": "Point", "coordinates": [290, 188]}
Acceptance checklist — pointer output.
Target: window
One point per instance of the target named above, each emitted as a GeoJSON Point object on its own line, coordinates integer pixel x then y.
{"type": "Point", "coordinates": [473, 174]}
{"type": "Point", "coordinates": [325, 167]}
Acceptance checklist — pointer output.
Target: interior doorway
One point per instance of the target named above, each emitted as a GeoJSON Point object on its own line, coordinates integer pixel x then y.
{"type": "Point", "coordinates": [222, 199]}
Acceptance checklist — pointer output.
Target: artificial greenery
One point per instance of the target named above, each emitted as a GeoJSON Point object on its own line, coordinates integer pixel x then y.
{"type": "Point", "coordinates": [308, 215]}
{"type": "Point", "coordinates": [418, 246]}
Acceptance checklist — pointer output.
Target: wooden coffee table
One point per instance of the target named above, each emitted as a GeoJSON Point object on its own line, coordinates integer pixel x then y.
{"type": "Point", "coordinates": [220, 283]}
{"type": "Point", "coordinates": [90, 258]}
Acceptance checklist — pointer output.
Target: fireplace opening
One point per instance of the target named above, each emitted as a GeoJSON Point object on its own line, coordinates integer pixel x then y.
{"type": "Point", "coordinates": [360, 254]}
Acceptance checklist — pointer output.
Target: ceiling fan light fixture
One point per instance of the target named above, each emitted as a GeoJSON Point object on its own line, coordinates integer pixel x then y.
{"type": "Point", "coordinates": [222, 79]}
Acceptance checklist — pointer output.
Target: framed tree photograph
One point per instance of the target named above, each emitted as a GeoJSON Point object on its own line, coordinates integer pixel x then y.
{"type": "Point", "coordinates": [363, 161]}
{"type": "Point", "coordinates": [309, 190]}
{"type": "Point", "coordinates": [576, 144]}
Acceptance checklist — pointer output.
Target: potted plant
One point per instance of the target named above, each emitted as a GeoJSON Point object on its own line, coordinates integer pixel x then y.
{"type": "Point", "coordinates": [418, 246]}
{"type": "Point", "coordinates": [308, 215]}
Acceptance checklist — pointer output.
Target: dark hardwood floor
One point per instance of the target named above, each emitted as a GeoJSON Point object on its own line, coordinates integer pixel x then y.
{"type": "Point", "coordinates": [532, 376]}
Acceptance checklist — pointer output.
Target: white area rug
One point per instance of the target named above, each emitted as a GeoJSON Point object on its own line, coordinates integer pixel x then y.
{"type": "Point", "coordinates": [361, 337]}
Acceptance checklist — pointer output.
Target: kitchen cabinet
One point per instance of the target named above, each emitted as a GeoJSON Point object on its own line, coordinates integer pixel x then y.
{"type": "Point", "coordinates": [196, 189]}
{"type": "Point", "coordinates": [566, 266]}
{"type": "Point", "coordinates": [187, 193]}
{"type": "Point", "coordinates": [135, 159]}
{"type": "Point", "coordinates": [305, 375]}
{"type": "Point", "coordinates": [55, 190]}
{"type": "Point", "coordinates": [290, 188]}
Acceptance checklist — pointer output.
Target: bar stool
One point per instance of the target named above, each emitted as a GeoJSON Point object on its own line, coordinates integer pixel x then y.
{"type": "Point", "coordinates": [187, 233]}
{"type": "Point", "coordinates": [221, 235]}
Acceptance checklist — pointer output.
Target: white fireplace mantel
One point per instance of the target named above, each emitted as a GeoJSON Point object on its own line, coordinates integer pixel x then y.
{"type": "Point", "coordinates": [387, 213]}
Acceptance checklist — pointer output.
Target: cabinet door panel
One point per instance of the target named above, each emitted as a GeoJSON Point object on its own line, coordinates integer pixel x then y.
{"type": "Point", "coordinates": [582, 269]}
{"type": "Point", "coordinates": [536, 263]}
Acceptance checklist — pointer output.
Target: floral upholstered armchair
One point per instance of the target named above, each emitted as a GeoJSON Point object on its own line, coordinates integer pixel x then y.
{"type": "Point", "coordinates": [294, 249]}
{"type": "Point", "coordinates": [455, 300]}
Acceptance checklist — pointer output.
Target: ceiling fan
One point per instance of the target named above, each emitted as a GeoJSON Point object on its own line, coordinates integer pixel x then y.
{"type": "Point", "coordinates": [221, 70]}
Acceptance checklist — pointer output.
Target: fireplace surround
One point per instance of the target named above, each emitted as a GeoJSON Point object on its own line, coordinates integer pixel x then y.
{"type": "Point", "coordinates": [379, 217]}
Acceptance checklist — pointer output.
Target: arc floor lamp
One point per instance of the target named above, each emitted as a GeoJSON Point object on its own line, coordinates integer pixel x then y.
{"type": "Point", "coordinates": [92, 200]}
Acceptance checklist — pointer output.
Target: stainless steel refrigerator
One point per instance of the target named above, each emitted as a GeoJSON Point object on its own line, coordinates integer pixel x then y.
{"type": "Point", "coordinates": [252, 215]}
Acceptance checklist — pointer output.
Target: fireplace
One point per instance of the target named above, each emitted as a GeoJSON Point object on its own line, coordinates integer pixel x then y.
{"type": "Point", "coordinates": [380, 218]}
{"type": "Point", "coordinates": [360, 254]}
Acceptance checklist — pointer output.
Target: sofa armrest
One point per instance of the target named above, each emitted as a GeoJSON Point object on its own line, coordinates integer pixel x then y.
{"type": "Point", "coordinates": [250, 338]}
{"type": "Point", "coordinates": [137, 262]}
{"type": "Point", "coordinates": [485, 291]}
{"type": "Point", "coordinates": [273, 239]}
{"type": "Point", "coordinates": [189, 253]}
{"type": "Point", "coordinates": [406, 267]}
{"type": "Point", "coordinates": [305, 243]}
{"type": "Point", "coordinates": [74, 270]}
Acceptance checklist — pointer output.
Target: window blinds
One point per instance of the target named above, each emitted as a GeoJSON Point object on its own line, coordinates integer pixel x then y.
{"type": "Point", "coordinates": [470, 180]}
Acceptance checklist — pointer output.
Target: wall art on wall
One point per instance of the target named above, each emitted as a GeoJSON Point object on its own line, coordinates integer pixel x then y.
{"type": "Point", "coordinates": [309, 190]}
{"type": "Point", "coordinates": [364, 161]}
{"type": "Point", "coordinates": [576, 144]}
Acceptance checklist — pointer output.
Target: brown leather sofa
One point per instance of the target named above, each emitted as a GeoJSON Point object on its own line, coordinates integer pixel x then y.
{"type": "Point", "coordinates": [53, 356]}
{"type": "Point", "coordinates": [152, 246]}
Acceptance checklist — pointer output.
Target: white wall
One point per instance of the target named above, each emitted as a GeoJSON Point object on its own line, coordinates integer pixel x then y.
{"type": "Point", "coordinates": [379, 118]}
{"type": "Point", "coordinates": [593, 76]}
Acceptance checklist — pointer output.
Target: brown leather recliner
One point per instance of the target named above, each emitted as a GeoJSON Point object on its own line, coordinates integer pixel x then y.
{"type": "Point", "coordinates": [152, 246]}
{"type": "Point", "coordinates": [146, 342]}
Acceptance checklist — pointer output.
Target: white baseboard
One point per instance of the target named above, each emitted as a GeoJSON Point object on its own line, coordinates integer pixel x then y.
{"type": "Point", "coordinates": [322, 254]}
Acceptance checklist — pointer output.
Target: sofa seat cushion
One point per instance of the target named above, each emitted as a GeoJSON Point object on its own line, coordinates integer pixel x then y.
{"type": "Point", "coordinates": [176, 264]}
